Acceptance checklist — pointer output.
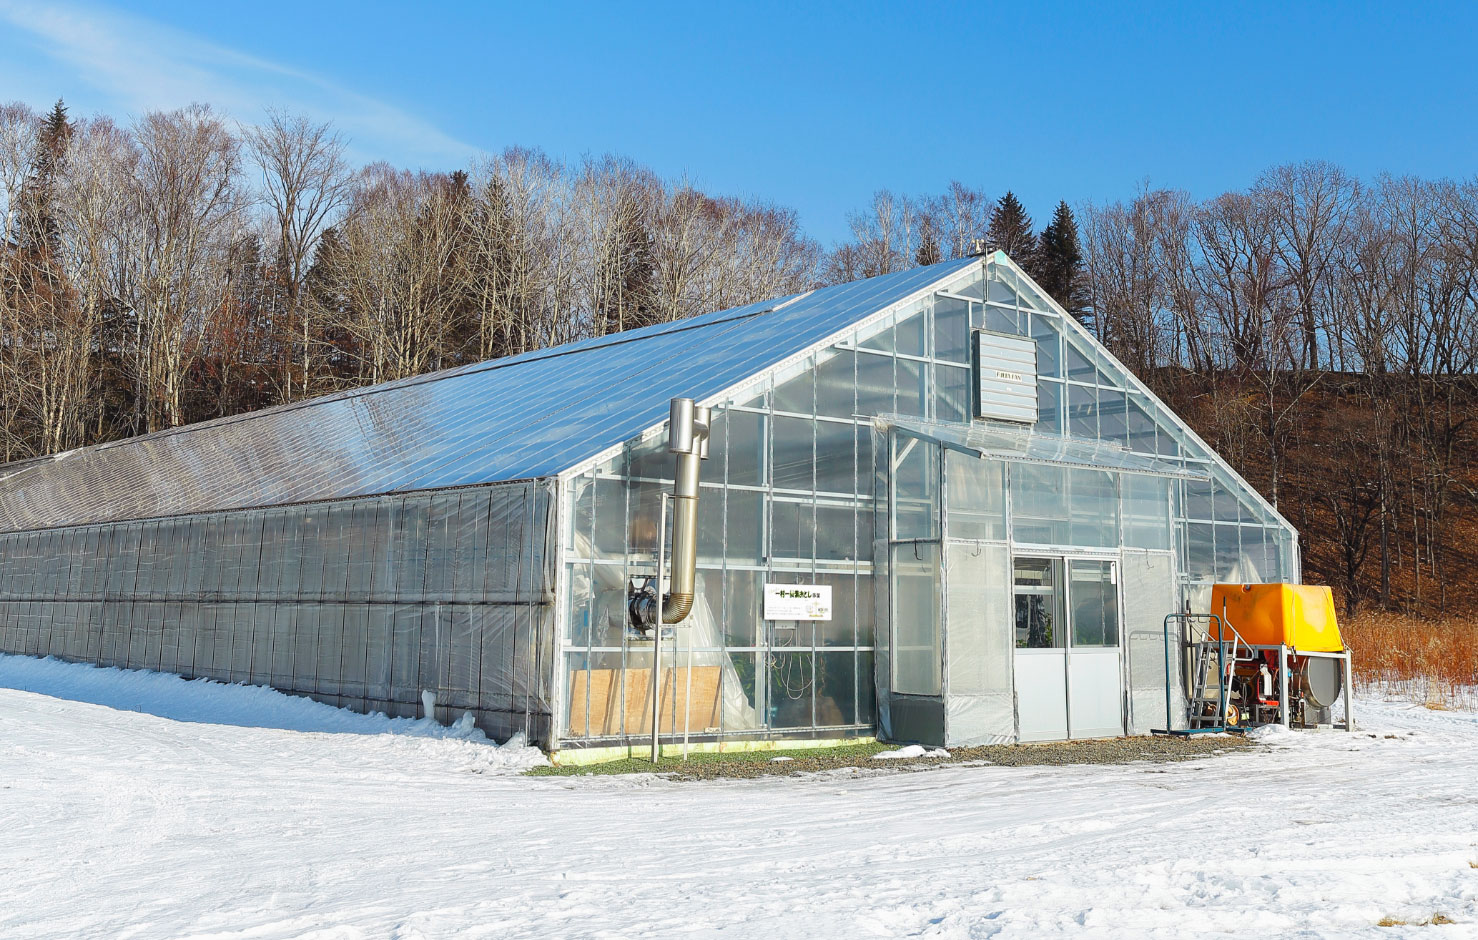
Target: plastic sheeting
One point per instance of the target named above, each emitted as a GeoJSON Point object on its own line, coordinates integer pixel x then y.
{"type": "Point", "coordinates": [978, 642]}
{"type": "Point", "coordinates": [1149, 584]}
{"type": "Point", "coordinates": [363, 603]}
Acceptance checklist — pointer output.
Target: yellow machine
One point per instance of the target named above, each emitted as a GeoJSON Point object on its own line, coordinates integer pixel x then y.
{"type": "Point", "coordinates": [1265, 654]}
{"type": "Point", "coordinates": [1299, 616]}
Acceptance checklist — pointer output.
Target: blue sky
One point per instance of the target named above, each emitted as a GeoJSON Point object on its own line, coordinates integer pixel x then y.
{"type": "Point", "coordinates": [808, 105]}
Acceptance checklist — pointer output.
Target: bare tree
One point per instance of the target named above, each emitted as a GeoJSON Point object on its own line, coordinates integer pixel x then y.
{"type": "Point", "coordinates": [305, 183]}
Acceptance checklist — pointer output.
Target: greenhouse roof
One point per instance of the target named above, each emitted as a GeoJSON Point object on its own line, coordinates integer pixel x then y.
{"type": "Point", "coordinates": [521, 417]}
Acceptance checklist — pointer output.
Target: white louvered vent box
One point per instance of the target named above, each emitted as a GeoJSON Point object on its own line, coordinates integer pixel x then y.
{"type": "Point", "coordinates": [1005, 368]}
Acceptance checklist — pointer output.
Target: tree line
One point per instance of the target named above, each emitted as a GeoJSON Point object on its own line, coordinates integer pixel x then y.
{"type": "Point", "coordinates": [183, 267]}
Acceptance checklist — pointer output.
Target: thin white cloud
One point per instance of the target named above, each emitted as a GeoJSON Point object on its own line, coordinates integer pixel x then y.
{"type": "Point", "coordinates": [138, 65]}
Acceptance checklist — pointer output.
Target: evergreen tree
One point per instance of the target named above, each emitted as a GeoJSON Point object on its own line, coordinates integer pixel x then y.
{"type": "Point", "coordinates": [1010, 231]}
{"type": "Point", "coordinates": [1059, 263]}
{"type": "Point", "coordinates": [40, 232]}
{"type": "Point", "coordinates": [928, 251]}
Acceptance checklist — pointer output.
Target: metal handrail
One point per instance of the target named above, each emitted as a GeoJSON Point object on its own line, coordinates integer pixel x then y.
{"type": "Point", "coordinates": [1221, 661]}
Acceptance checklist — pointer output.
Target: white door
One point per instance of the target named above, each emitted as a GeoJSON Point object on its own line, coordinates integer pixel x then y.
{"type": "Point", "coordinates": [1095, 684]}
{"type": "Point", "coordinates": [1041, 649]}
{"type": "Point", "coordinates": [1069, 681]}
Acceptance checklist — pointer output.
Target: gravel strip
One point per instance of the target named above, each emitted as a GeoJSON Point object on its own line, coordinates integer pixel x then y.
{"type": "Point", "coordinates": [1154, 749]}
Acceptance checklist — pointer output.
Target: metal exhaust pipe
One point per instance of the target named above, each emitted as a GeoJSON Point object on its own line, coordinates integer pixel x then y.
{"type": "Point", "coordinates": [687, 439]}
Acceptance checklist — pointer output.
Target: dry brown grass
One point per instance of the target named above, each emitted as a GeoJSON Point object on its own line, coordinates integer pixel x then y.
{"type": "Point", "coordinates": [1431, 662]}
{"type": "Point", "coordinates": [1436, 920]}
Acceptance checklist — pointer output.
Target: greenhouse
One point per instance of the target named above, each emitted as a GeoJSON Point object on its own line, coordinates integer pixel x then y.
{"type": "Point", "coordinates": [929, 507]}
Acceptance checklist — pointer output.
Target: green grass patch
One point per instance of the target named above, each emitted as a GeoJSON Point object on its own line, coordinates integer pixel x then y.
{"type": "Point", "coordinates": [835, 754]}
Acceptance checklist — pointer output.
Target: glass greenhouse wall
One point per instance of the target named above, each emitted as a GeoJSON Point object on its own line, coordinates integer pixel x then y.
{"type": "Point", "coordinates": [807, 483]}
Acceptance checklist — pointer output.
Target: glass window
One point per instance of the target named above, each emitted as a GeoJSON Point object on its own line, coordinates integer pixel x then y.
{"type": "Point", "coordinates": [1093, 589]}
{"type": "Point", "coordinates": [951, 393]}
{"type": "Point", "coordinates": [1145, 508]}
{"type": "Point", "coordinates": [792, 684]}
{"type": "Point", "coordinates": [1037, 589]}
{"type": "Point", "coordinates": [1078, 362]}
{"type": "Point", "coordinates": [1038, 504]}
{"type": "Point", "coordinates": [975, 496]}
{"type": "Point", "coordinates": [1049, 406]}
{"type": "Point", "coordinates": [797, 394]}
{"type": "Point", "coordinates": [834, 460]}
{"type": "Point", "coordinates": [836, 685]}
{"type": "Point", "coordinates": [916, 489]}
{"type": "Point", "coordinates": [792, 466]}
{"type": "Point", "coordinates": [909, 333]}
{"type": "Point", "coordinates": [951, 329]}
{"type": "Point", "coordinates": [911, 392]}
{"type": "Point", "coordinates": [745, 447]}
{"type": "Point", "coordinates": [917, 656]}
{"type": "Point", "coordinates": [874, 384]}
{"type": "Point", "coordinates": [835, 383]}
{"type": "Point", "coordinates": [1049, 355]}
{"type": "Point", "coordinates": [1112, 421]}
{"type": "Point", "coordinates": [1093, 508]}
{"type": "Point", "coordinates": [1082, 411]}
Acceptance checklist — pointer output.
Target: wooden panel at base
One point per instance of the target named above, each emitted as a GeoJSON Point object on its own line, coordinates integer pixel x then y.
{"type": "Point", "coordinates": [602, 690]}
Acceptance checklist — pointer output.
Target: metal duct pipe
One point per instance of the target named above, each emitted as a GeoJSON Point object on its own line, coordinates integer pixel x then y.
{"type": "Point", "coordinates": [687, 438]}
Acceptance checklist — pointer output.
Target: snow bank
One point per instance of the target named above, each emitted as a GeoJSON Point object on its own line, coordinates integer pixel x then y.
{"type": "Point", "coordinates": [207, 701]}
{"type": "Point", "coordinates": [912, 750]}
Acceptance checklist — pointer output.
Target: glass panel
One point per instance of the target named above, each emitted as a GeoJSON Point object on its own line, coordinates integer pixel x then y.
{"type": "Point", "coordinates": [834, 459]}
{"type": "Point", "coordinates": [1093, 508]}
{"type": "Point", "coordinates": [793, 530]}
{"type": "Point", "coordinates": [951, 329]}
{"type": "Point", "coordinates": [791, 683]}
{"type": "Point", "coordinates": [916, 648]}
{"type": "Point", "coordinates": [1038, 507]}
{"type": "Point", "coordinates": [1049, 356]}
{"type": "Point", "coordinates": [911, 392]}
{"type": "Point", "coordinates": [835, 383]}
{"type": "Point", "coordinates": [874, 384]}
{"type": "Point", "coordinates": [951, 393]}
{"type": "Point", "coordinates": [746, 447]}
{"type": "Point", "coordinates": [909, 333]}
{"type": "Point", "coordinates": [840, 629]}
{"type": "Point", "coordinates": [883, 338]}
{"type": "Point", "coordinates": [610, 519]}
{"type": "Point", "coordinates": [975, 497]}
{"type": "Point", "coordinates": [741, 711]}
{"type": "Point", "coordinates": [836, 680]}
{"type": "Point", "coordinates": [1049, 406]}
{"type": "Point", "coordinates": [1082, 411]}
{"type": "Point", "coordinates": [1112, 425]}
{"type": "Point", "coordinates": [916, 490]}
{"type": "Point", "coordinates": [792, 465]}
{"type": "Point", "coordinates": [1078, 362]}
{"type": "Point", "coordinates": [1037, 590]}
{"type": "Point", "coordinates": [834, 535]}
{"type": "Point", "coordinates": [1141, 427]}
{"type": "Point", "coordinates": [1095, 597]}
{"type": "Point", "coordinates": [1145, 505]}
{"type": "Point", "coordinates": [797, 394]}
{"type": "Point", "coordinates": [744, 515]}
{"type": "Point", "coordinates": [1200, 556]}
{"type": "Point", "coordinates": [743, 609]}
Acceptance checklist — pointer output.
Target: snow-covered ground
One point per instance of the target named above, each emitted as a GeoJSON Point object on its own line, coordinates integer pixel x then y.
{"type": "Point", "coordinates": [135, 805]}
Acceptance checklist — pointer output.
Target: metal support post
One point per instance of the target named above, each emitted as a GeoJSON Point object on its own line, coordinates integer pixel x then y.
{"type": "Point", "coordinates": [657, 629]}
{"type": "Point", "coordinates": [1283, 685]}
{"type": "Point", "coordinates": [1349, 694]}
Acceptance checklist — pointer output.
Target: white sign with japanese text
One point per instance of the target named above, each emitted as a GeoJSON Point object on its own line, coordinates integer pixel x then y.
{"type": "Point", "coordinates": [797, 602]}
